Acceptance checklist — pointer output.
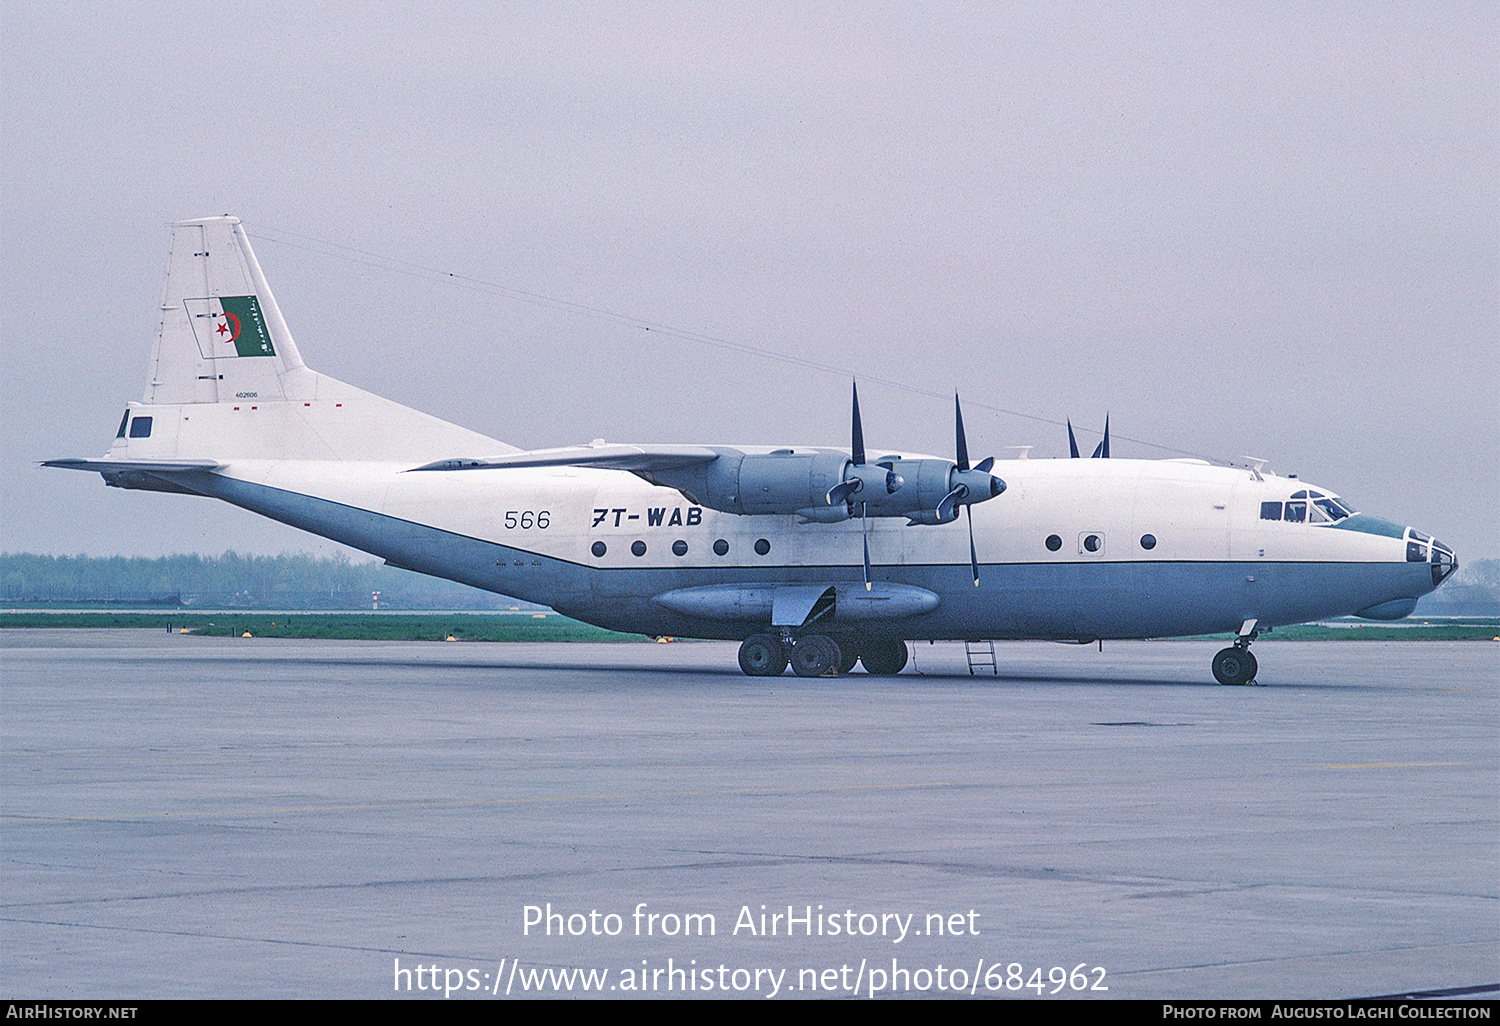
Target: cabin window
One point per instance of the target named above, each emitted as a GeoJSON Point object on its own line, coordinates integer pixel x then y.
{"type": "Point", "coordinates": [599, 548]}
{"type": "Point", "coordinates": [638, 548]}
{"type": "Point", "coordinates": [1091, 543]}
{"type": "Point", "coordinates": [140, 427]}
{"type": "Point", "coordinates": [679, 547]}
{"type": "Point", "coordinates": [721, 547]}
{"type": "Point", "coordinates": [1053, 543]}
{"type": "Point", "coordinates": [762, 546]}
{"type": "Point", "coordinates": [1270, 511]}
{"type": "Point", "coordinates": [121, 433]}
{"type": "Point", "coordinates": [1148, 542]}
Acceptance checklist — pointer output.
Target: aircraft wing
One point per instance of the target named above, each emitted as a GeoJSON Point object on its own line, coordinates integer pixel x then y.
{"type": "Point", "coordinates": [633, 458]}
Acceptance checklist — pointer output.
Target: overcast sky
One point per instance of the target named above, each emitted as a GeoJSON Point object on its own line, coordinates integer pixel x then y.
{"type": "Point", "coordinates": [1237, 229]}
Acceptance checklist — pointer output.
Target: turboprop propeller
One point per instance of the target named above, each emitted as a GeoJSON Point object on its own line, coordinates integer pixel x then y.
{"type": "Point", "coordinates": [861, 477]}
{"type": "Point", "coordinates": [969, 485]}
{"type": "Point", "coordinates": [937, 487]}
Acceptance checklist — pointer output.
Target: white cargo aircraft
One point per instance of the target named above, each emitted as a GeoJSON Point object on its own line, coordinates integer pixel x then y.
{"type": "Point", "coordinates": [811, 557]}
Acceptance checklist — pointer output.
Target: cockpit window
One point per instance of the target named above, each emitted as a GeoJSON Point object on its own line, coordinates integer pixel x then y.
{"type": "Point", "coordinates": [1307, 506]}
{"type": "Point", "coordinates": [1334, 509]}
{"type": "Point", "coordinates": [1443, 562]}
{"type": "Point", "coordinates": [123, 421]}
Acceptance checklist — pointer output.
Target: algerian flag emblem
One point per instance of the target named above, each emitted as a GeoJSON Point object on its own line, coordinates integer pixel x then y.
{"type": "Point", "coordinates": [229, 326]}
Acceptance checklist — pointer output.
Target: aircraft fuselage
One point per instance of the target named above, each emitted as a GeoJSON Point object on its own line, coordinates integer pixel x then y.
{"type": "Point", "coordinates": [1137, 548]}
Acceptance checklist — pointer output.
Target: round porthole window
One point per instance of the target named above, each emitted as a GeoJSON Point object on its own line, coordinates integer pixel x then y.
{"type": "Point", "coordinates": [679, 547]}
{"type": "Point", "coordinates": [721, 547]}
{"type": "Point", "coordinates": [1092, 542]}
{"type": "Point", "coordinates": [1148, 541]}
{"type": "Point", "coordinates": [638, 548]}
{"type": "Point", "coordinates": [599, 548]}
{"type": "Point", "coordinates": [762, 546]}
{"type": "Point", "coordinates": [1053, 542]}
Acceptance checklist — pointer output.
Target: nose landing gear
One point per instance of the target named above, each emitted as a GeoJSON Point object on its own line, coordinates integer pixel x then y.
{"type": "Point", "coordinates": [1235, 665]}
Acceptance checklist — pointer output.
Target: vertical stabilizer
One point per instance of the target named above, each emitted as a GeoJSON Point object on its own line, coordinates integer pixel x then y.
{"type": "Point", "coordinates": [220, 333]}
{"type": "Point", "coordinates": [226, 380]}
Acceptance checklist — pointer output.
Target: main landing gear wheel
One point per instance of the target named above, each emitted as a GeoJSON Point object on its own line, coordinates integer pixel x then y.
{"type": "Point", "coordinates": [816, 656]}
{"type": "Point", "coordinates": [884, 658]}
{"type": "Point", "coordinates": [761, 655]}
{"type": "Point", "coordinates": [1234, 666]}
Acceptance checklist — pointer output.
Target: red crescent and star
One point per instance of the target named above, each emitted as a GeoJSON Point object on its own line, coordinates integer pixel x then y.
{"type": "Point", "coordinates": [234, 332]}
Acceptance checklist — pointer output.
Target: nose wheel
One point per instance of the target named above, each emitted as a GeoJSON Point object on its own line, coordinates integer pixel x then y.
{"type": "Point", "coordinates": [1235, 665]}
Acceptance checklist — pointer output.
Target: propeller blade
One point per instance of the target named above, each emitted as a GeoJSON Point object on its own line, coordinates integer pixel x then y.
{"type": "Point", "coordinates": [973, 555]}
{"type": "Point", "coordinates": [984, 465]}
{"type": "Point", "coordinates": [840, 492]}
{"type": "Point", "coordinates": [1072, 442]}
{"type": "Point", "coordinates": [857, 433]}
{"type": "Point", "coordinates": [961, 444]}
{"type": "Point", "coordinates": [864, 527]}
{"type": "Point", "coordinates": [1101, 451]}
{"type": "Point", "coordinates": [945, 508]}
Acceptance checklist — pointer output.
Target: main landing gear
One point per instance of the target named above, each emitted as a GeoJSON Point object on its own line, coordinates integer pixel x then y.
{"type": "Point", "coordinates": [1235, 665]}
{"type": "Point", "coordinates": [817, 655]}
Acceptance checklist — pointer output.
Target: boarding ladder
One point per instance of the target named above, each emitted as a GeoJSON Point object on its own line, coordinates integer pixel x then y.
{"type": "Point", "coordinates": [981, 654]}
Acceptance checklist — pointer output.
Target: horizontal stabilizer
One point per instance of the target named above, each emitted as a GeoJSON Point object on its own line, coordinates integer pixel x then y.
{"type": "Point", "coordinates": [139, 466]}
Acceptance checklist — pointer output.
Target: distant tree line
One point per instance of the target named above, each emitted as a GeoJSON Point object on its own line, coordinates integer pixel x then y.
{"type": "Point", "coordinates": [230, 581]}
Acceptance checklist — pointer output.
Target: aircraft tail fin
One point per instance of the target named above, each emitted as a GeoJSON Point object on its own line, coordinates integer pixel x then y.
{"type": "Point", "coordinates": [221, 331]}
{"type": "Point", "coordinates": [227, 382]}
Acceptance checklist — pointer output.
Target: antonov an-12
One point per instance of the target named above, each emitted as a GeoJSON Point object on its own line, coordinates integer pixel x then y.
{"type": "Point", "coordinates": [812, 557]}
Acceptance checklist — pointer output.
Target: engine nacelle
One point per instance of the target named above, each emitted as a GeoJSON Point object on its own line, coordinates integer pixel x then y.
{"type": "Point", "coordinates": [786, 482]}
{"type": "Point", "coordinates": [798, 482]}
{"type": "Point", "coordinates": [925, 485]}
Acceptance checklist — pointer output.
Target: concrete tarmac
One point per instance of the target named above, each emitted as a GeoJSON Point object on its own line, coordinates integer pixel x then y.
{"type": "Point", "coordinates": [196, 817]}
